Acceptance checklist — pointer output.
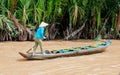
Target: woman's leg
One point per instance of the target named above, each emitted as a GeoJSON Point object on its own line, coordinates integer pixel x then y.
{"type": "Point", "coordinates": [40, 44]}
{"type": "Point", "coordinates": [35, 46]}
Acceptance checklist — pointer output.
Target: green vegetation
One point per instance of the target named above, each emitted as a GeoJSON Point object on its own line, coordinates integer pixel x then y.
{"type": "Point", "coordinates": [68, 19]}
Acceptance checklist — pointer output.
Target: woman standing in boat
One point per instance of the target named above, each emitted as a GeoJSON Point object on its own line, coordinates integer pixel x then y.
{"type": "Point", "coordinates": [38, 37]}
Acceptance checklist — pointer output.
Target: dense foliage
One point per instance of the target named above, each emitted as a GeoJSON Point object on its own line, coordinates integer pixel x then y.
{"type": "Point", "coordinates": [68, 19]}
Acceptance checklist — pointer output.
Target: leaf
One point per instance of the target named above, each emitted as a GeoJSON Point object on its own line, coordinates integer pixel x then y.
{"type": "Point", "coordinates": [98, 38]}
{"type": "Point", "coordinates": [1, 24]}
{"type": "Point", "coordinates": [84, 2]}
{"type": "Point", "coordinates": [98, 18]}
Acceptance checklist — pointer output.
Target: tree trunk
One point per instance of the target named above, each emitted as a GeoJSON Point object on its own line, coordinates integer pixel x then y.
{"type": "Point", "coordinates": [22, 33]}
{"type": "Point", "coordinates": [13, 7]}
{"type": "Point", "coordinates": [118, 24]}
{"type": "Point", "coordinates": [75, 32]}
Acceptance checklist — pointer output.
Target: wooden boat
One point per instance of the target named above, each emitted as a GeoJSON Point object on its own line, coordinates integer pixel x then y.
{"type": "Point", "coordinates": [69, 52]}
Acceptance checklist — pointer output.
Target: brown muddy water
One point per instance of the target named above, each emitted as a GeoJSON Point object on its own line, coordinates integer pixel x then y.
{"type": "Point", "coordinates": [106, 63]}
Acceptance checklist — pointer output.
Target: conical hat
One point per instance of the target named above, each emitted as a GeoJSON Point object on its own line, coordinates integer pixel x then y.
{"type": "Point", "coordinates": [43, 24]}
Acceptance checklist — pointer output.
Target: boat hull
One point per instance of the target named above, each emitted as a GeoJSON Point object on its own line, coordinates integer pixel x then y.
{"type": "Point", "coordinates": [67, 54]}
{"type": "Point", "coordinates": [70, 52]}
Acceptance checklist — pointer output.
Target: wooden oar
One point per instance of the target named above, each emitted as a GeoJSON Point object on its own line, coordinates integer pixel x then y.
{"type": "Point", "coordinates": [28, 50]}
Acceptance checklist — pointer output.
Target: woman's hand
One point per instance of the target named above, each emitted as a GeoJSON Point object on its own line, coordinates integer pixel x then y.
{"type": "Point", "coordinates": [44, 38]}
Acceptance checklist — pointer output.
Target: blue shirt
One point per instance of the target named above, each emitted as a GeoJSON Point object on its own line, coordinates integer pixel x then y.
{"type": "Point", "coordinates": [40, 33]}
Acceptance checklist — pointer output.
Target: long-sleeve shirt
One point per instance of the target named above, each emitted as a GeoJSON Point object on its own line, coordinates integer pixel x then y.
{"type": "Point", "coordinates": [40, 33]}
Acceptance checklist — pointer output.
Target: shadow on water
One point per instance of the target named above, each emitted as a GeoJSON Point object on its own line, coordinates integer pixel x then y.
{"type": "Point", "coordinates": [22, 60]}
{"type": "Point", "coordinates": [26, 60]}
